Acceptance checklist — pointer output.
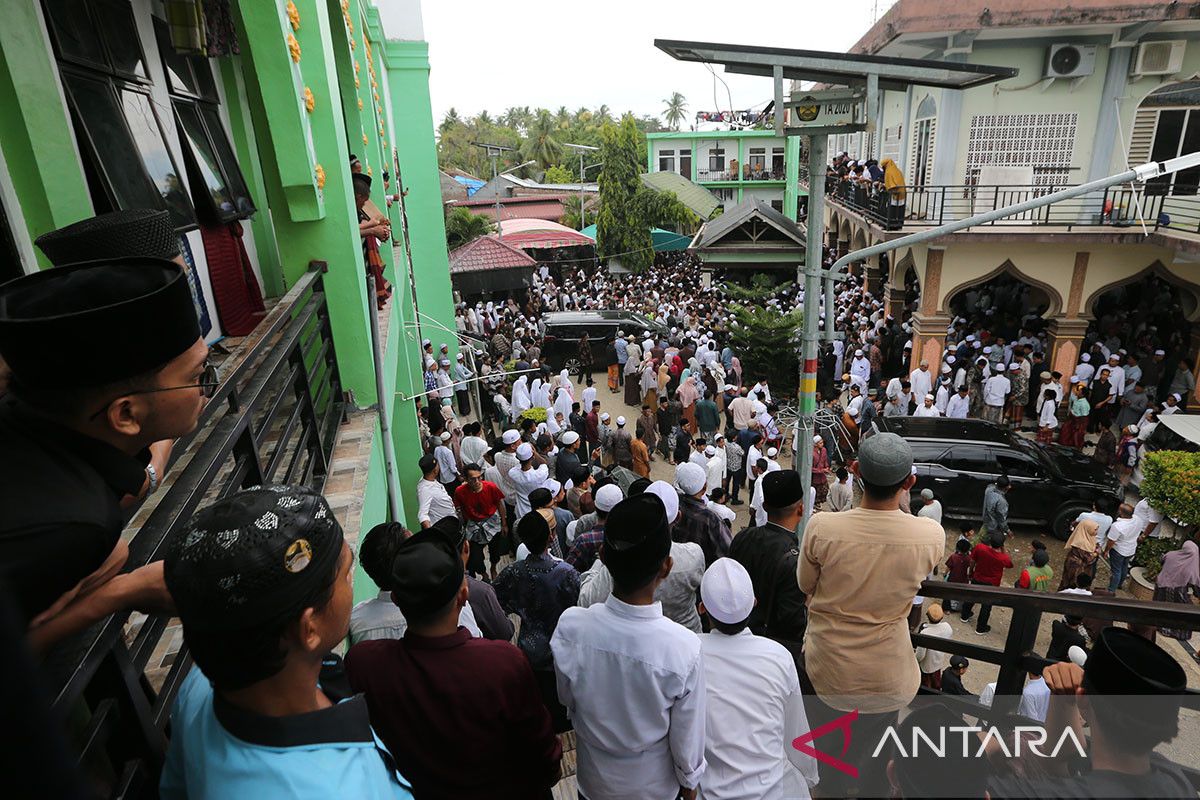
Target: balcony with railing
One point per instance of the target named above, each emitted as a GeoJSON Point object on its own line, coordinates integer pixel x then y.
{"type": "Point", "coordinates": [1157, 206]}
{"type": "Point", "coordinates": [747, 173]}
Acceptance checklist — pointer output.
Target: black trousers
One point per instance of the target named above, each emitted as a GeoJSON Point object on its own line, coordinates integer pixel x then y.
{"type": "Point", "coordinates": [464, 402]}
{"type": "Point", "coordinates": [985, 609]}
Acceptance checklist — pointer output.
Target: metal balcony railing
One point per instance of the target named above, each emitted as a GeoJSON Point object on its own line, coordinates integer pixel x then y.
{"type": "Point", "coordinates": [1158, 206]}
{"type": "Point", "coordinates": [746, 173]}
{"type": "Point", "coordinates": [1027, 610]}
{"type": "Point", "coordinates": [272, 420]}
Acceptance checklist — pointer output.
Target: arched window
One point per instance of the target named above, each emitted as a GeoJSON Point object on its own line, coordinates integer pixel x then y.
{"type": "Point", "coordinates": [920, 165]}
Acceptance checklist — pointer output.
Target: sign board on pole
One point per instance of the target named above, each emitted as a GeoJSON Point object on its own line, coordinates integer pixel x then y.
{"type": "Point", "coordinates": [835, 108]}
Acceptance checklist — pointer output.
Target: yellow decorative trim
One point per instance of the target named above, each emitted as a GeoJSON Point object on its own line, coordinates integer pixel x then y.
{"type": "Point", "coordinates": [293, 15]}
{"type": "Point", "coordinates": [353, 44]}
{"type": "Point", "coordinates": [360, 104]}
{"type": "Point", "coordinates": [319, 171]}
{"type": "Point", "coordinates": [310, 102]}
{"type": "Point", "coordinates": [293, 48]}
{"type": "Point", "coordinates": [364, 138]}
{"type": "Point", "coordinates": [369, 169]}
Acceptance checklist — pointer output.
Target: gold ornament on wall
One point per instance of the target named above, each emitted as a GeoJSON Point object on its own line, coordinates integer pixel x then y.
{"type": "Point", "coordinates": [319, 171]}
{"type": "Point", "coordinates": [353, 44]}
{"type": "Point", "coordinates": [369, 173]}
{"type": "Point", "coordinates": [360, 104]}
{"type": "Point", "coordinates": [345, 6]}
{"type": "Point", "coordinates": [293, 48]}
{"type": "Point", "coordinates": [356, 82]}
{"type": "Point", "coordinates": [293, 15]}
{"type": "Point", "coordinates": [310, 102]}
{"type": "Point", "coordinates": [364, 138]}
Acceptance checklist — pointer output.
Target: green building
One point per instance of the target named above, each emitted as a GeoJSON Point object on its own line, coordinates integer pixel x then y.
{"type": "Point", "coordinates": [244, 130]}
{"type": "Point", "coordinates": [733, 165]}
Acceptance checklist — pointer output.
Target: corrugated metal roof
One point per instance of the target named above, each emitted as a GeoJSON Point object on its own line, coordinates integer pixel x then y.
{"type": "Point", "coordinates": [692, 195]}
{"type": "Point", "coordinates": [540, 233]}
{"type": "Point", "coordinates": [488, 253]}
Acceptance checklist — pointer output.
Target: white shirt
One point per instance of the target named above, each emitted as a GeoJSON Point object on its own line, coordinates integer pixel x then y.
{"type": "Point", "coordinates": [589, 397]}
{"type": "Point", "coordinates": [927, 411]}
{"type": "Point", "coordinates": [861, 367]}
{"type": "Point", "coordinates": [893, 388]}
{"type": "Point", "coordinates": [853, 408]}
{"type": "Point", "coordinates": [922, 382]}
{"type": "Point", "coordinates": [472, 450]}
{"type": "Point", "coordinates": [1047, 417]}
{"type": "Point", "coordinates": [930, 660]}
{"type": "Point", "coordinates": [756, 499]}
{"type": "Point", "coordinates": [933, 510]}
{"type": "Point", "coordinates": [1035, 699]}
{"type": "Point", "coordinates": [445, 384]}
{"type": "Point", "coordinates": [525, 481]}
{"type": "Point", "coordinates": [723, 511]}
{"type": "Point", "coordinates": [995, 389]}
{"type": "Point", "coordinates": [944, 393]}
{"type": "Point", "coordinates": [1124, 535]}
{"type": "Point", "coordinates": [652, 741]}
{"type": "Point", "coordinates": [1116, 380]}
{"type": "Point", "coordinates": [432, 502]}
{"type": "Point", "coordinates": [716, 473]}
{"type": "Point", "coordinates": [1145, 515]}
{"type": "Point", "coordinates": [1084, 372]}
{"type": "Point", "coordinates": [755, 710]}
{"type": "Point", "coordinates": [699, 459]}
{"type": "Point", "coordinates": [958, 406]}
{"type": "Point", "coordinates": [448, 470]}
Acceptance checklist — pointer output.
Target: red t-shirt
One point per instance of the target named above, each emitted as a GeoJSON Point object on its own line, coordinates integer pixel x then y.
{"type": "Point", "coordinates": [478, 506]}
{"type": "Point", "coordinates": [990, 564]}
{"type": "Point", "coordinates": [958, 566]}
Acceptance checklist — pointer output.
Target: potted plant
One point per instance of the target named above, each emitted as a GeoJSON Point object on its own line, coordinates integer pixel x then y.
{"type": "Point", "coordinates": [1172, 486]}
{"type": "Point", "coordinates": [1147, 563]}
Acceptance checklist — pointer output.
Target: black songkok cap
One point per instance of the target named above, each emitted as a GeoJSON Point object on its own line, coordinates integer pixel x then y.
{"type": "Point", "coordinates": [134, 233]}
{"type": "Point", "coordinates": [636, 536]}
{"type": "Point", "coordinates": [451, 528]}
{"type": "Point", "coordinates": [107, 319]}
{"type": "Point", "coordinates": [782, 488]}
{"type": "Point", "coordinates": [252, 557]}
{"type": "Point", "coordinates": [1123, 663]}
{"type": "Point", "coordinates": [426, 573]}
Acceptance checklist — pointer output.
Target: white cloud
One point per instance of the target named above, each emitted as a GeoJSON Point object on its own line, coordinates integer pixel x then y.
{"type": "Point", "coordinates": [543, 53]}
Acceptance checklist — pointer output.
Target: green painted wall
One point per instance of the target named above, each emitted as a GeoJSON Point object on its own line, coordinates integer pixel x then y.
{"type": "Point", "coordinates": [35, 129]}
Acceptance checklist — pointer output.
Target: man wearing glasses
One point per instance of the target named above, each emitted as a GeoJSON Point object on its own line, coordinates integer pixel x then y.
{"type": "Point", "coordinates": [107, 364]}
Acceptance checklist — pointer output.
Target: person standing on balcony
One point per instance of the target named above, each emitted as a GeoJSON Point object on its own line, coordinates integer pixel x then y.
{"type": "Point", "coordinates": [893, 184]}
{"type": "Point", "coordinates": [372, 231]}
{"type": "Point", "coordinates": [86, 428]}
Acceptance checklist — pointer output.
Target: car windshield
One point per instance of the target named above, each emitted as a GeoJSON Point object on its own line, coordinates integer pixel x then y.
{"type": "Point", "coordinates": [1037, 452]}
{"type": "Point", "coordinates": [646, 324]}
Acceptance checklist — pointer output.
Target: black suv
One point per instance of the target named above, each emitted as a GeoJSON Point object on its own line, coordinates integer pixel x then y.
{"type": "Point", "coordinates": [564, 329]}
{"type": "Point", "coordinates": [958, 458]}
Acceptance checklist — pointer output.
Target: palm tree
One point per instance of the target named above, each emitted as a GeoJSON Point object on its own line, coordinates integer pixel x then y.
{"type": "Point", "coordinates": [462, 227]}
{"type": "Point", "coordinates": [603, 115]}
{"type": "Point", "coordinates": [450, 120]}
{"type": "Point", "coordinates": [483, 119]}
{"type": "Point", "coordinates": [540, 144]}
{"type": "Point", "coordinates": [676, 110]}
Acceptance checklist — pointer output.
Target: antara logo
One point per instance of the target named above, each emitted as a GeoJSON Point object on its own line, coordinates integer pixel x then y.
{"type": "Point", "coordinates": [972, 742]}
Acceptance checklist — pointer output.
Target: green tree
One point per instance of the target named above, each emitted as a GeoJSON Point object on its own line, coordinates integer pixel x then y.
{"type": "Point", "coordinates": [768, 344]}
{"type": "Point", "coordinates": [571, 216]}
{"type": "Point", "coordinates": [621, 230]}
{"type": "Point", "coordinates": [449, 121]}
{"type": "Point", "coordinates": [603, 114]}
{"type": "Point", "coordinates": [558, 174]}
{"type": "Point", "coordinates": [676, 110]}
{"type": "Point", "coordinates": [462, 227]}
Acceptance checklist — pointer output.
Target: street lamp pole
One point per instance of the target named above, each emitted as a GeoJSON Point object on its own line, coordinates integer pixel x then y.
{"type": "Point", "coordinates": [494, 152]}
{"type": "Point", "coordinates": [582, 149]}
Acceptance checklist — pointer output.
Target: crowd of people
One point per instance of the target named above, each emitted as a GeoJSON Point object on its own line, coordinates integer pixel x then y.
{"type": "Point", "coordinates": [688, 658]}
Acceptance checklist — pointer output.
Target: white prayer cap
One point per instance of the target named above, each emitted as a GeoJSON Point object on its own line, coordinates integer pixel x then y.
{"type": "Point", "coordinates": [510, 436]}
{"type": "Point", "coordinates": [525, 451]}
{"type": "Point", "coordinates": [710, 451]}
{"type": "Point", "coordinates": [1114, 355]}
{"type": "Point", "coordinates": [1160, 352]}
{"type": "Point", "coordinates": [445, 347]}
{"type": "Point", "coordinates": [774, 451]}
{"type": "Point", "coordinates": [1178, 397]}
{"type": "Point", "coordinates": [945, 368]}
{"type": "Point", "coordinates": [1086, 357]}
{"type": "Point", "coordinates": [429, 362]}
{"type": "Point", "coordinates": [719, 437]}
{"type": "Point", "coordinates": [608, 496]}
{"type": "Point", "coordinates": [924, 363]}
{"type": "Point", "coordinates": [445, 362]}
{"type": "Point", "coordinates": [818, 438]}
{"type": "Point", "coordinates": [553, 485]}
{"type": "Point", "coordinates": [425, 343]}
{"type": "Point", "coordinates": [858, 352]}
{"type": "Point", "coordinates": [908, 345]}
{"type": "Point", "coordinates": [446, 436]}
{"type": "Point", "coordinates": [930, 397]}
{"type": "Point", "coordinates": [977, 345]}
{"type": "Point", "coordinates": [987, 349]}
{"type": "Point", "coordinates": [669, 496]}
{"type": "Point", "coordinates": [459, 356]}
{"type": "Point", "coordinates": [951, 359]}
{"type": "Point", "coordinates": [1014, 367]}
{"type": "Point", "coordinates": [690, 478]}
{"type": "Point", "coordinates": [727, 592]}
{"type": "Point", "coordinates": [1132, 429]}
{"type": "Point", "coordinates": [569, 438]}
{"type": "Point", "coordinates": [1076, 379]}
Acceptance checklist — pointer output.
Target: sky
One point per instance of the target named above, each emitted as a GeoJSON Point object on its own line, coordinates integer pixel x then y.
{"type": "Point", "coordinates": [538, 53]}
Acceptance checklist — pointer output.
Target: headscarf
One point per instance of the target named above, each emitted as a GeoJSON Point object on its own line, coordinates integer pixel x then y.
{"type": "Point", "coordinates": [1084, 536]}
{"type": "Point", "coordinates": [563, 402]}
{"type": "Point", "coordinates": [687, 392]}
{"type": "Point", "coordinates": [893, 180]}
{"type": "Point", "coordinates": [564, 380]}
{"type": "Point", "coordinates": [521, 399]}
{"type": "Point", "coordinates": [1181, 568]}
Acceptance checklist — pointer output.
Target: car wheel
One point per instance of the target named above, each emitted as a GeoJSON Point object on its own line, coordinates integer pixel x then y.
{"type": "Point", "coordinates": [573, 366]}
{"type": "Point", "coordinates": [1061, 526]}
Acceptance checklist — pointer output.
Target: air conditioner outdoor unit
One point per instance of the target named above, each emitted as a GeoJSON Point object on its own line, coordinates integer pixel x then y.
{"type": "Point", "coordinates": [1070, 60]}
{"type": "Point", "coordinates": [1159, 58]}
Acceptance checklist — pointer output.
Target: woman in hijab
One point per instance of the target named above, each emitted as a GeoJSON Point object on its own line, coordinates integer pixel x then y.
{"type": "Point", "coordinates": [1180, 576]}
{"type": "Point", "coordinates": [664, 379]}
{"type": "Point", "coordinates": [649, 384]}
{"type": "Point", "coordinates": [521, 399]}
{"type": "Point", "coordinates": [893, 184]}
{"type": "Point", "coordinates": [1080, 552]}
{"type": "Point", "coordinates": [562, 402]}
{"type": "Point", "coordinates": [737, 371]}
{"type": "Point", "coordinates": [688, 393]}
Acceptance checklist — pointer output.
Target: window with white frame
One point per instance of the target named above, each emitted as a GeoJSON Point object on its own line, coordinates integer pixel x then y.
{"type": "Point", "coordinates": [716, 159]}
{"type": "Point", "coordinates": [1044, 142]}
{"type": "Point", "coordinates": [666, 160]}
{"type": "Point", "coordinates": [758, 159]}
{"type": "Point", "coordinates": [1167, 124]}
